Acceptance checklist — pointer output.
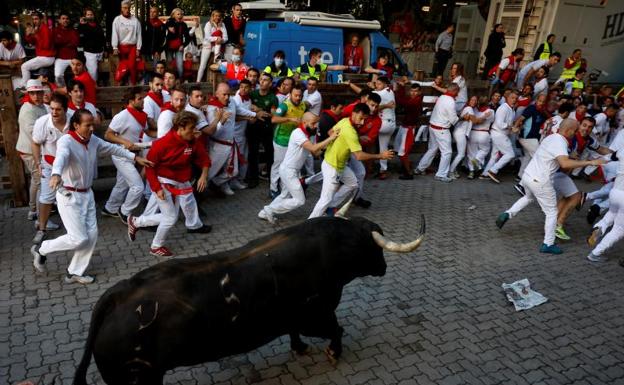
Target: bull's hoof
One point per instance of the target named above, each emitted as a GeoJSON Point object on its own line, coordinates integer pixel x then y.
{"type": "Point", "coordinates": [332, 356]}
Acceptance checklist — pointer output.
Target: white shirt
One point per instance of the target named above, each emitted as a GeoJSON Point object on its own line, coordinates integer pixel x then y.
{"type": "Point", "coordinates": [208, 30]}
{"type": "Point", "coordinates": [165, 122]}
{"type": "Point", "coordinates": [503, 119]}
{"type": "Point", "coordinates": [295, 154]}
{"type": "Point", "coordinates": [544, 163]}
{"type": "Point", "coordinates": [77, 163]}
{"type": "Point", "coordinates": [601, 129]}
{"type": "Point", "coordinates": [444, 114]}
{"type": "Point", "coordinates": [505, 63]}
{"type": "Point", "coordinates": [540, 88]}
{"type": "Point", "coordinates": [241, 126]}
{"type": "Point", "coordinates": [87, 106]}
{"type": "Point", "coordinates": [462, 96]}
{"type": "Point", "coordinates": [127, 126]}
{"type": "Point", "coordinates": [281, 97]}
{"type": "Point", "coordinates": [315, 101]}
{"type": "Point", "coordinates": [555, 122]}
{"type": "Point", "coordinates": [617, 146]}
{"type": "Point", "coordinates": [225, 131]}
{"type": "Point", "coordinates": [387, 96]}
{"type": "Point", "coordinates": [201, 118]}
{"type": "Point", "coordinates": [619, 118]}
{"type": "Point", "coordinates": [17, 53]}
{"type": "Point", "coordinates": [534, 65]}
{"type": "Point", "coordinates": [465, 126]}
{"type": "Point", "coordinates": [488, 114]}
{"type": "Point", "coordinates": [151, 108]}
{"type": "Point", "coordinates": [46, 134]}
{"type": "Point", "coordinates": [166, 96]}
{"type": "Point", "coordinates": [126, 31]}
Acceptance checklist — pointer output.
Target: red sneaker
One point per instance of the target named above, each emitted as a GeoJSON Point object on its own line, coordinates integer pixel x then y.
{"type": "Point", "coordinates": [132, 228]}
{"type": "Point", "coordinates": [161, 251]}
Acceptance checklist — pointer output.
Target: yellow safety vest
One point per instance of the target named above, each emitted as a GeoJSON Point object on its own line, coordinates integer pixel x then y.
{"type": "Point", "coordinates": [546, 52]}
{"type": "Point", "coordinates": [570, 73]}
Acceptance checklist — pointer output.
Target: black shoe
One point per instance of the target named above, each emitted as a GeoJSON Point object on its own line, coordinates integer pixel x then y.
{"type": "Point", "coordinates": [520, 189]}
{"type": "Point", "coordinates": [406, 177]}
{"type": "Point", "coordinates": [593, 213]}
{"type": "Point", "coordinates": [124, 218]}
{"type": "Point", "coordinates": [107, 213]}
{"type": "Point", "coordinates": [363, 203]}
{"type": "Point", "coordinates": [205, 229]}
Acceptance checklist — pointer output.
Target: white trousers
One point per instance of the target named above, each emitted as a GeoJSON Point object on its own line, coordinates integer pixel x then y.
{"type": "Point", "coordinates": [318, 177]}
{"type": "Point", "coordinates": [292, 195]}
{"type": "Point", "coordinates": [188, 205]}
{"type": "Point", "coordinates": [333, 193]}
{"type": "Point", "coordinates": [385, 133]}
{"type": "Point", "coordinates": [529, 147]}
{"type": "Point", "coordinates": [500, 143]}
{"type": "Point", "coordinates": [460, 134]}
{"type": "Point", "coordinates": [422, 134]}
{"type": "Point", "coordinates": [47, 196]}
{"type": "Point", "coordinates": [165, 219]}
{"type": "Point", "coordinates": [601, 196]}
{"type": "Point", "coordinates": [221, 155]}
{"type": "Point", "coordinates": [438, 140]}
{"type": "Point", "coordinates": [478, 148]}
{"type": "Point", "coordinates": [243, 147]}
{"type": "Point", "coordinates": [34, 64]}
{"type": "Point", "coordinates": [203, 62]}
{"type": "Point", "coordinates": [60, 65]}
{"type": "Point", "coordinates": [614, 216]}
{"type": "Point", "coordinates": [546, 197]}
{"type": "Point", "coordinates": [128, 189]}
{"type": "Point", "coordinates": [92, 63]}
{"type": "Point", "coordinates": [77, 210]}
{"type": "Point", "coordinates": [359, 170]}
{"type": "Point", "coordinates": [279, 152]}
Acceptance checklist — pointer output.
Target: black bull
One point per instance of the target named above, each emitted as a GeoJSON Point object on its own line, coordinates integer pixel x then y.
{"type": "Point", "coordinates": [187, 311]}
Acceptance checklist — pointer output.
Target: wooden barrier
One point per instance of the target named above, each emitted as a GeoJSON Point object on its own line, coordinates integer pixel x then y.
{"type": "Point", "coordinates": [10, 131]}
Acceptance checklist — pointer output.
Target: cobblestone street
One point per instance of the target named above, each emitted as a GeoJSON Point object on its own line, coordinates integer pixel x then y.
{"type": "Point", "coordinates": [438, 316]}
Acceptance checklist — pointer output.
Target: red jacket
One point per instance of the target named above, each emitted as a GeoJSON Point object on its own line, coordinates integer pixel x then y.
{"type": "Point", "coordinates": [370, 129]}
{"type": "Point", "coordinates": [172, 157]}
{"type": "Point", "coordinates": [66, 41]}
{"type": "Point", "coordinates": [89, 84]}
{"type": "Point", "coordinates": [231, 74]}
{"type": "Point", "coordinates": [353, 56]}
{"type": "Point", "coordinates": [42, 39]}
{"type": "Point", "coordinates": [411, 106]}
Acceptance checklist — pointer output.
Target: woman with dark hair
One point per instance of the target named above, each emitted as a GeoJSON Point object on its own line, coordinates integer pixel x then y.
{"type": "Point", "coordinates": [92, 41]}
{"type": "Point", "coordinates": [177, 38]}
{"type": "Point", "coordinates": [494, 51]}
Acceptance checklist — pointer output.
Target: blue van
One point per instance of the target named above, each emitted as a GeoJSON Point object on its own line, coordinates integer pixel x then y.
{"type": "Point", "coordinates": [264, 37]}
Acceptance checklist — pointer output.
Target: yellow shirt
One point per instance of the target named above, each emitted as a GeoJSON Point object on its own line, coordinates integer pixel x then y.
{"type": "Point", "coordinates": [338, 152]}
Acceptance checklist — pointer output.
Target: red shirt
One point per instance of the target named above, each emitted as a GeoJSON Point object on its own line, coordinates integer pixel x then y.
{"type": "Point", "coordinates": [348, 110]}
{"type": "Point", "coordinates": [42, 39]}
{"type": "Point", "coordinates": [172, 157]}
{"type": "Point", "coordinates": [354, 56]}
{"type": "Point", "coordinates": [370, 129]}
{"type": "Point", "coordinates": [411, 106]}
{"type": "Point", "coordinates": [89, 84]}
{"type": "Point", "coordinates": [66, 41]}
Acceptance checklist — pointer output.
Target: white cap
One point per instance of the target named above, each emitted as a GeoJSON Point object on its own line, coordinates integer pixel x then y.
{"type": "Point", "coordinates": [34, 85]}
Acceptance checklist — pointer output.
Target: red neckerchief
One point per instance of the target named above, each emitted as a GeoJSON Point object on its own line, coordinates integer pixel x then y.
{"type": "Point", "coordinates": [157, 98]}
{"type": "Point", "coordinates": [11, 45]}
{"type": "Point", "coordinates": [523, 101]}
{"type": "Point", "coordinates": [579, 117]}
{"type": "Point", "coordinates": [140, 116]}
{"type": "Point", "coordinates": [156, 23]}
{"type": "Point", "coordinates": [484, 108]}
{"type": "Point", "coordinates": [451, 95]}
{"type": "Point", "coordinates": [92, 24]}
{"type": "Point", "coordinates": [305, 131]}
{"type": "Point", "coordinates": [245, 98]}
{"type": "Point", "coordinates": [237, 23]}
{"type": "Point", "coordinates": [216, 102]}
{"type": "Point", "coordinates": [541, 108]}
{"type": "Point", "coordinates": [78, 138]}
{"type": "Point", "coordinates": [332, 114]}
{"type": "Point", "coordinates": [72, 106]}
{"type": "Point", "coordinates": [168, 107]}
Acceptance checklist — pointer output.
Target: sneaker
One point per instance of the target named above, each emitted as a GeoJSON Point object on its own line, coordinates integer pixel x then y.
{"type": "Point", "coordinates": [132, 228]}
{"type": "Point", "coordinates": [225, 188]}
{"type": "Point", "coordinates": [561, 234]}
{"type": "Point", "coordinates": [50, 226]}
{"type": "Point", "coordinates": [582, 201]}
{"type": "Point", "coordinates": [517, 179]}
{"type": "Point", "coordinates": [161, 251]}
{"type": "Point", "coordinates": [107, 213]}
{"type": "Point", "coordinates": [264, 175]}
{"type": "Point", "coordinates": [483, 177]}
{"type": "Point", "coordinates": [205, 229]}
{"type": "Point", "coordinates": [406, 177]}
{"type": "Point", "coordinates": [444, 179]}
{"type": "Point", "coordinates": [273, 194]}
{"type": "Point", "coordinates": [81, 279]}
{"type": "Point", "coordinates": [475, 164]}
{"type": "Point", "coordinates": [471, 175]}
{"type": "Point", "coordinates": [552, 249]}
{"type": "Point", "coordinates": [492, 176]}
{"type": "Point", "coordinates": [267, 215]}
{"type": "Point", "coordinates": [502, 219]}
{"type": "Point", "coordinates": [520, 189]}
{"type": "Point", "coordinates": [331, 211]}
{"type": "Point", "coordinates": [236, 184]}
{"type": "Point", "coordinates": [39, 237]}
{"type": "Point", "coordinates": [596, 258]}
{"type": "Point", "coordinates": [32, 215]}
{"type": "Point", "coordinates": [38, 259]}
{"type": "Point", "coordinates": [594, 237]}
{"type": "Point", "coordinates": [124, 218]}
{"type": "Point", "coordinates": [363, 203]}
{"type": "Point", "coordinates": [304, 185]}
{"type": "Point", "coordinates": [593, 213]}
{"type": "Point", "coordinates": [418, 172]}
{"type": "Point", "coordinates": [455, 175]}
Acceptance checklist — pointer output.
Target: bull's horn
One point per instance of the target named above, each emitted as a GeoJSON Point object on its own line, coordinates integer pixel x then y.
{"type": "Point", "coordinates": [342, 213]}
{"type": "Point", "coordinates": [389, 245]}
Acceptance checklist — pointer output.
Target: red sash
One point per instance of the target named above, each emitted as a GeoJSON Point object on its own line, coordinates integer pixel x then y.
{"type": "Point", "coordinates": [168, 107]}
{"type": "Point", "coordinates": [49, 159]}
{"type": "Point", "coordinates": [241, 159]}
{"type": "Point", "coordinates": [175, 191]}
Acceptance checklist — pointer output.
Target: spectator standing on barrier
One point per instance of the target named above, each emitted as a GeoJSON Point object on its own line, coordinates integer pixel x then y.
{"type": "Point", "coordinates": [66, 41]}
{"type": "Point", "coordinates": [545, 49]}
{"type": "Point", "coordinates": [443, 49]}
{"type": "Point", "coordinates": [11, 54]}
{"type": "Point", "coordinates": [494, 50]}
{"type": "Point", "coordinates": [177, 38]}
{"type": "Point", "coordinates": [215, 35]}
{"type": "Point", "coordinates": [153, 35]}
{"type": "Point", "coordinates": [126, 40]}
{"type": "Point", "coordinates": [40, 36]}
{"type": "Point", "coordinates": [235, 26]}
{"type": "Point", "coordinates": [92, 41]}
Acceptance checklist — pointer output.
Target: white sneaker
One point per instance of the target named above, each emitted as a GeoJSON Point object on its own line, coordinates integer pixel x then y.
{"type": "Point", "coordinates": [39, 237]}
{"type": "Point", "coordinates": [32, 215]}
{"type": "Point", "coordinates": [38, 259]}
{"type": "Point", "coordinates": [81, 279]}
{"type": "Point", "coordinates": [50, 226]}
{"type": "Point", "coordinates": [596, 258]}
{"type": "Point", "coordinates": [269, 215]}
{"type": "Point", "coordinates": [236, 184]}
{"type": "Point", "coordinates": [225, 188]}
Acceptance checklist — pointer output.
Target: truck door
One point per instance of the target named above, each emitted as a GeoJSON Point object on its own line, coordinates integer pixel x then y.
{"type": "Point", "coordinates": [379, 44]}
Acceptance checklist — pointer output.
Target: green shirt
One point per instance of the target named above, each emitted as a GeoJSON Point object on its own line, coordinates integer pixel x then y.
{"type": "Point", "coordinates": [266, 102]}
{"type": "Point", "coordinates": [338, 152]}
{"type": "Point", "coordinates": [283, 130]}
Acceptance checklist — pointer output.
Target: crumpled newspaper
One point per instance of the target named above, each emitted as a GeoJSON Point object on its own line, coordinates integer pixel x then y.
{"type": "Point", "coordinates": [521, 295]}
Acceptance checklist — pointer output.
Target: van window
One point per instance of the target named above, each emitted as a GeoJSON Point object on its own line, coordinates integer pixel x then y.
{"type": "Point", "coordinates": [393, 59]}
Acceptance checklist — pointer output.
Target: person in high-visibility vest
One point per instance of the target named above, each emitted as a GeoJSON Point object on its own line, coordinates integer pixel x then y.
{"type": "Point", "coordinates": [545, 49]}
{"type": "Point", "coordinates": [278, 69]}
{"type": "Point", "coordinates": [315, 67]}
{"type": "Point", "coordinates": [571, 65]}
{"type": "Point", "coordinates": [575, 83]}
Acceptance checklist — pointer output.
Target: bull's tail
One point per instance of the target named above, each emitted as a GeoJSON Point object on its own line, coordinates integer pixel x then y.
{"type": "Point", "coordinates": [99, 313]}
